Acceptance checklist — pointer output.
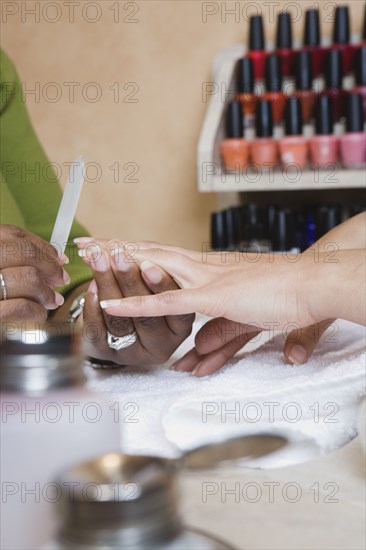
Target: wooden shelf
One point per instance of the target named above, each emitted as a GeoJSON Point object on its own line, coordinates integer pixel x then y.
{"type": "Point", "coordinates": [210, 173]}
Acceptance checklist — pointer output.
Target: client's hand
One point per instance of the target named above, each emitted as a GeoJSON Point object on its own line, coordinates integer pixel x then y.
{"type": "Point", "coordinates": [30, 269]}
{"type": "Point", "coordinates": [265, 292]}
{"type": "Point", "coordinates": [117, 274]}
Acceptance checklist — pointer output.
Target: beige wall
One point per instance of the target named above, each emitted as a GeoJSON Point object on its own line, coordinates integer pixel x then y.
{"type": "Point", "coordinates": [167, 53]}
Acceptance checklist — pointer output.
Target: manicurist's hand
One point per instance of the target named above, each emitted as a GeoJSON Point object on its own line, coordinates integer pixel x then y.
{"type": "Point", "coordinates": [117, 274]}
{"type": "Point", "coordinates": [30, 270]}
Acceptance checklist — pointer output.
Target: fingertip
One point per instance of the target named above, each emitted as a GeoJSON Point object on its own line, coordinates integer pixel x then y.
{"type": "Point", "coordinates": [297, 355]}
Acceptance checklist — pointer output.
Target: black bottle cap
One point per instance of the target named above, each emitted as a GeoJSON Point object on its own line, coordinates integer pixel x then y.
{"type": "Point", "coordinates": [354, 113]}
{"type": "Point", "coordinates": [284, 230]}
{"type": "Point", "coordinates": [245, 76]}
{"type": "Point", "coordinates": [312, 28]}
{"type": "Point", "coordinates": [293, 117]}
{"type": "Point", "coordinates": [256, 33]}
{"type": "Point", "coordinates": [361, 66]}
{"type": "Point", "coordinates": [326, 218]}
{"type": "Point", "coordinates": [273, 73]}
{"type": "Point", "coordinates": [333, 70]}
{"type": "Point", "coordinates": [354, 210]}
{"type": "Point", "coordinates": [232, 221]}
{"type": "Point", "coordinates": [341, 32]}
{"type": "Point", "coordinates": [253, 223]}
{"type": "Point", "coordinates": [234, 120]}
{"type": "Point", "coordinates": [323, 116]}
{"type": "Point", "coordinates": [284, 31]}
{"type": "Point", "coordinates": [218, 231]}
{"type": "Point", "coordinates": [263, 119]}
{"type": "Point", "coordinates": [304, 71]}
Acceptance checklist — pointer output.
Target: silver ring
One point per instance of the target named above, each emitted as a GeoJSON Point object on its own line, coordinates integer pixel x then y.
{"type": "Point", "coordinates": [3, 287]}
{"type": "Point", "coordinates": [121, 342]}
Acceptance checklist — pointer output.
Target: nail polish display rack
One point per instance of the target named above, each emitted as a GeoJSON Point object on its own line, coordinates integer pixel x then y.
{"type": "Point", "coordinates": [211, 174]}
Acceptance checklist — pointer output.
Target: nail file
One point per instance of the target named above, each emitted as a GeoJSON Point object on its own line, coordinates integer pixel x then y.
{"type": "Point", "coordinates": [68, 206]}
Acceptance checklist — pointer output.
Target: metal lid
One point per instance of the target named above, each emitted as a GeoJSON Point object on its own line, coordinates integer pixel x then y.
{"type": "Point", "coordinates": [37, 358]}
{"type": "Point", "coordinates": [120, 501]}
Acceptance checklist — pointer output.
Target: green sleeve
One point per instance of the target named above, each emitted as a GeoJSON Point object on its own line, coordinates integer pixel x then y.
{"type": "Point", "coordinates": [27, 174]}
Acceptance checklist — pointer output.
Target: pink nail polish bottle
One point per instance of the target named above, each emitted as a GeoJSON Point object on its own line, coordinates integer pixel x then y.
{"type": "Point", "coordinates": [264, 148]}
{"type": "Point", "coordinates": [353, 143]}
{"type": "Point", "coordinates": [294, 146]}
{"type": "Point", "coordinates": [234, 149]}
{"type": "Point", "coordinates": [324, 146]}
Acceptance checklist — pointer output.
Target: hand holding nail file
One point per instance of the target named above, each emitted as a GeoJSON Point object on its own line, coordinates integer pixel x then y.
{"type": "Point", "coordinates": [68, 206]}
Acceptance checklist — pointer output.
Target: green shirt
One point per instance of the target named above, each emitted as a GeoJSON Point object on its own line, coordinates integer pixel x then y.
{"type": "Point", "coordinates": [30, 194]}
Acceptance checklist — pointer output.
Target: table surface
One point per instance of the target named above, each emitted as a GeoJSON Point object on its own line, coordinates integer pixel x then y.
{"type": "Point", "coordinates": [316, 505]}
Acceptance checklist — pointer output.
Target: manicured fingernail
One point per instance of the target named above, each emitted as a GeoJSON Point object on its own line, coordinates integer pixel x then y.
{"type": "Point", "coordinates": [83, 240]}
{"type": "Point", "coordinates": [89, 251]}
{"type": "Point", "coordinates": [64, 259]}
{"type": "Point", "coordinates": [104, 304]}
{"type": "Point", "coordinates": [297, 355]}
{"type": "Point", "coordinates": [59, 299]}
{"type": "Point", "coordinates": [100, 261]}
{"type": "Point", "coordinates": [66, 277]}
{"type": "Point", "coordinates": [120, 260]}
{"type": "Point", "coordinates": [151, 272]}
{"type": "Point", "coordinates": [93, 287]}
{"type": "Point", "coordinates": [196, 370]}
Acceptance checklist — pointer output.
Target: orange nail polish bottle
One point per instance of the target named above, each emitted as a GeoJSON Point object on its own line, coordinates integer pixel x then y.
{"type": "Point", "coordinates": [234, 149]}
{"type": "Point", "coordinates": [264, 148]}
{"type": "Point", "coordinates": [294, 146]}
{"type": "Point", "coordinates": [274, 91]}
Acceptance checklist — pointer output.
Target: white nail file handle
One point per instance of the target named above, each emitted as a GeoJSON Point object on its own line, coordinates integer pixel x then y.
{"type": "Point", "coordinates": [68, 206]}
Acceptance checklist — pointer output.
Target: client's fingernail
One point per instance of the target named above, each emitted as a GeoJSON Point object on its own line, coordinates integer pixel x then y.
{"type": "Point", "coordinates": [110, 303]}
{"type": "Point", "coordinates": [297, 355]}
{"type": "Point", "coordinates": [59, 299]}
{"type": "Point", "coordinates": [66, 277]}
{"type": "Point", "coordinates": [100, 261]}
{"type": "Point", "coordinates": [151, 272]}
{"type": "Point", "coordinates": [93, 287]}
{"type": "Point", "coordinates": [120, 260]}
{"type": "Point", "coordinates": [89, 251]}
{"type": "Point", "coordinates": [83, 240]}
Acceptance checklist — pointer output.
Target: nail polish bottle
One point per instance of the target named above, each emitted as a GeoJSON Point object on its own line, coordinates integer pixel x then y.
{"type": "Point", "coordinates": [232, 221]}
{"type": "Point", "coordinates": [284, 44]}
{"type": "Point", "coordinates": [304, 85]}
{"type": "Point", "coordinates": [333, 81]}
{"type": "Point", "coordinates": [361, 75]}
{"type": "Point", "coordinates": [284, 232]}
{"type": "Point", "coordinates": [312, 41]}
{"type": "Point", "coordinates": [245, 88]}
{"type": "Point", "coordinates": [324, 146]}
{"type": "Point", "coordinates": [256, 46]}
{"type": "Point", "coordinates": [274, 91]}
{"type": "Point", "coordinates": [326, 218]}
{"type": "Point", "coordinates": [353, 142]}
{"type": "Point", "coordinates": [294, 146]}
{"type": "Point", "coordinates": [264, 148]}
{"type": "Point", "coordinates": [254, 229]}
{"type": "Point", "coordinates": [234, 149]}
{"type": "Point", "coordinates": [218, 231]}
{"type": "Point", "coordinates": [341, 38]}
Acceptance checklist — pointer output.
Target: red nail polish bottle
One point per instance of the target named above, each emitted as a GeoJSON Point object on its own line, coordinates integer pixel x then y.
{"type": "Point", "coordinates": [234, 149]}
{"type": "Point", "coordinates": [341, 38]}
{"type": "Point", "coordinates": [304, 85]}
{"type": "Point", "coordinates": [245, 88]}
{"type": "Point", "coordinates": [274, 91]}
{"type": "Point", "coordinates": [312, 41]}
{"type": "Point", "coordinates": [284, 44]}
{"type": "Point", "coordinates": [333, 81]}
{"type": "Point", "coordinates": [256, 46]}
{"type": "Point", "coordinates": [361, 75]}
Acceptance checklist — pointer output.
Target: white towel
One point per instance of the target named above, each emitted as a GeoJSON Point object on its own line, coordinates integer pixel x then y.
{"type": "Point", "coordinates": [315, 406]}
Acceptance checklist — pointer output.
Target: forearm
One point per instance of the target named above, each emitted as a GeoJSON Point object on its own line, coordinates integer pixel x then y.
{"type": "Point", "coordinates": [337, 288]}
